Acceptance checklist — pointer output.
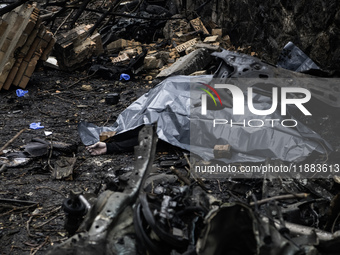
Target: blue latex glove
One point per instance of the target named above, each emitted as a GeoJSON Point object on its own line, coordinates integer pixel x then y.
{"type": "Point", "coordinates": [124, 76]}
{"type": "Point", "coordinates": [21, 93]}
{"type": "Point", "coordinates": [36, 126]}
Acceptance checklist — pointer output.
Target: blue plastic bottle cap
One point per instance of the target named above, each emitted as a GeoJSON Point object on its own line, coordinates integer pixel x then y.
{"type": "Point", "coordinates": [124, 76]}
{"type": "Point", "coordinates": [21, 93]}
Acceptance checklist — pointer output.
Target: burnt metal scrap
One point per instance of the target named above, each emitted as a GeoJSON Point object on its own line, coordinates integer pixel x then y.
{"type": "Point", "coordinates": [111, 207]}
{"type": "Point", "coordinates": [172, 218]}
{"type": "Point", "coordinates": [161, 213]}
{"type": "Point", "coordinates": [174, 213]}
{"type": "Point", "coordinates": [269, 226]}
{"type": "Point", "coordinates": [237, 66]}
{"type": "Point", "coordinates": [160, 207]}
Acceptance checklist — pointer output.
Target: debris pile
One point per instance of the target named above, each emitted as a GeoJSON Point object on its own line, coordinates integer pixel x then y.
{"type": "Point", "coordinates": [73, 49]}
{"type": "Point", "coordinates": [159, 46]}
{"type": "Point", "coordinates": [184, 49]}
{"type": "Point", "coordinates": [24, 41]}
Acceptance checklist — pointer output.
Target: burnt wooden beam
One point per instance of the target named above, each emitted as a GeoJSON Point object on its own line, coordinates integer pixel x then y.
{"type": "Point", "coordinates": [79, 12]}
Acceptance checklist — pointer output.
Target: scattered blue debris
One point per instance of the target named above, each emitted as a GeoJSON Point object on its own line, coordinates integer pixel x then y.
{"type": "Point", "coordinates": [124, 76]}
{"type": "Point", "coordinates": [21, 93]}
{"type": "Point", "coordinates": [36, 126]}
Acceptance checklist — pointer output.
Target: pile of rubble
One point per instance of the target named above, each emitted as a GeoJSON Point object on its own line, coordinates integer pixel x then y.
{"type": "Point", "coordinates": [183, 46]}
{"type": "Point", "coordinates": [24, 41]}
{"type": "Point", "coordinates": [185, 50]}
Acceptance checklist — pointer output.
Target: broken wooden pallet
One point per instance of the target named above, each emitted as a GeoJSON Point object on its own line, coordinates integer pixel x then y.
{"type": "Point", "coordinates": [23, 41]}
